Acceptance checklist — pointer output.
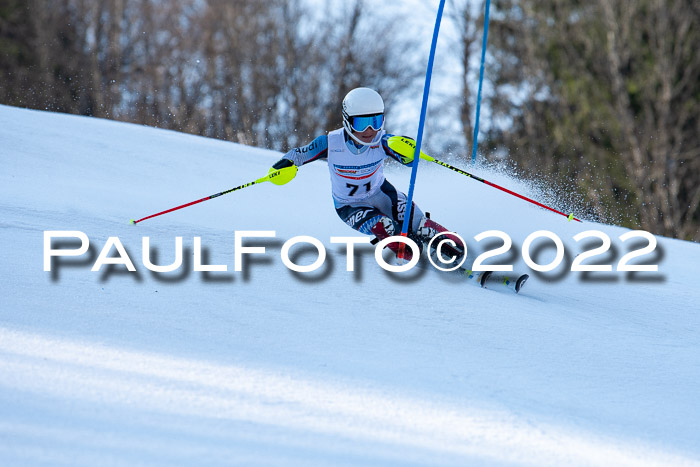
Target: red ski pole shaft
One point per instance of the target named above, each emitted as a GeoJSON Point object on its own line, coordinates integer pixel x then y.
{"type": "Point", "coordinates": [446, 165]}
{"type": "Point", "coordinates": [278, 177]}
{"type": "Point", "coordinates": [200, 200]}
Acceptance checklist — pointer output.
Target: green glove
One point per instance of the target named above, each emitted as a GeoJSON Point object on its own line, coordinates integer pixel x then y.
{"type": "Point", "coordinates": [405, 148]}
{"type": "Point", "coordinates": [283, 175]}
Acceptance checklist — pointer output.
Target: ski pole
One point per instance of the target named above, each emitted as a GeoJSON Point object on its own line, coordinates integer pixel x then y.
{"type": "Point", "coordinates": [403, 145]}
{"type": "Point", "coordinates": [278, 177]}
{"type": "Point", "coordinates": [506, 190]}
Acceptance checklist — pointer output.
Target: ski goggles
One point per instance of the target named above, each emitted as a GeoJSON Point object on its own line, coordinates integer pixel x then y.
{"type": "Point", "coordinates": [362, 122]}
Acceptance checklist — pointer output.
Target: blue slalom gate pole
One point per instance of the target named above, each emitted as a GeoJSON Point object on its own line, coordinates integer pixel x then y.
{"type": "Point", "coordinates": [421, 123]}
{"type": "Point", "coordinates": [481, 80]}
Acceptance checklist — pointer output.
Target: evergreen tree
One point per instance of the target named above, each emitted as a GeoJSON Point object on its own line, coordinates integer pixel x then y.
{"type": "Point", "coordinates": [604, 96]}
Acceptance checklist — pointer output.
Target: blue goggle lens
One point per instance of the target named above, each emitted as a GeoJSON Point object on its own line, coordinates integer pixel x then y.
{"type": "Point", "coordinates": [362, 123]}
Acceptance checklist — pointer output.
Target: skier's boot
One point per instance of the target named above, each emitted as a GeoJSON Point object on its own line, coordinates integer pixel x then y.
{"type": "Point", "coordinates": [428, 228]}
{"type": "Point", "coordinates": [386, 228]}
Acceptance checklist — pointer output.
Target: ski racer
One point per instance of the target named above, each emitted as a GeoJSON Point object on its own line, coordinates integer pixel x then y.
{"type": "Point", "coordinates": [363, 198]}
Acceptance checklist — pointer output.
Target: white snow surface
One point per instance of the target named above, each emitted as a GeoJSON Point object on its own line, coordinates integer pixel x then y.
{"type": "Point", "coordinates": [267, 367]}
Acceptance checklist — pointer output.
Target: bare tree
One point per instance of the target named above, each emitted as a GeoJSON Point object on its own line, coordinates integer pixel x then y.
{"type": "Point", "coordinates": [463, 16]}
{"type": "Point", "coordinates": [266, 73]}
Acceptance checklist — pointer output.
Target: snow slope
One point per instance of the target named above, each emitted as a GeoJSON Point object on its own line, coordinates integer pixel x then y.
{"type": "Point", "coordinates": [266, 366]}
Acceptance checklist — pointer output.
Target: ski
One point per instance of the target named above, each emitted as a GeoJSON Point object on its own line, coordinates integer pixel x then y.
{"type": "Point", "coordinates": [491, 279]}
{"type": "Point", "coordinates": [487, 279]}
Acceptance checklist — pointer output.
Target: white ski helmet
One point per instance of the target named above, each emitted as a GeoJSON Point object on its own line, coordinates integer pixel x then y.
{"type": "Point", "coordinates": [363, 102]}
